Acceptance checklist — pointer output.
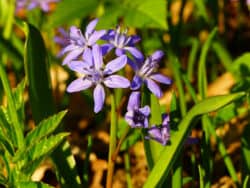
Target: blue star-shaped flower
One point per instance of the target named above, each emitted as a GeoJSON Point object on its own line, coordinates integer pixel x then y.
{"type": "Point", "coordinates": [146, 73]}
{"type": "Point", "coordinates": [137, 117]}
{"type": "Point", "coordinates": [78, 42]}
{"type": "Point", "coordinates": [97, 75]}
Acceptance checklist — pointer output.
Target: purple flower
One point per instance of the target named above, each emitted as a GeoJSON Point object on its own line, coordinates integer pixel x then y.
{"type": "Point", "coordinates": [79, 42]}
{"type": "Point", "coordinates": [61, 37]}
{"type": "Point", "coordinates": [146, 73]}
{"type": "Point", "coordinates": [161, 133]}
{"type": "Point", "coordinates": [97, 75]}
{"type": "Point", "coordinates": [43, 4]}
{"type": "Point", "coordinates": [136, 116]}
{"type": "Point", "coordinates": [122, 43]}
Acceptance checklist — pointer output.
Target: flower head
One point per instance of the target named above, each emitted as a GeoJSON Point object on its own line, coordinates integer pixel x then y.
{"type": "Point", "coordinates": [136, 116]}
{"type": "Point", "coordinates": [161, 133]}
{"type": "Point", "coordinates": [146, 73]}
{"type": "Point", "coordinates": [31, 4]}
{"type": "Point", "coordinates": [79, 42]}
{"type": "Point", "coordinates": [97, 75]}
{"type": "Point", "coordinates": [122, 43]}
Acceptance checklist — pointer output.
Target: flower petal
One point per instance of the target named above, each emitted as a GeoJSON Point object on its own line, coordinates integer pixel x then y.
{"type": "Point", "coordinates": [119, 51]}
{"type": "Point", "coordinates": [161, 78]}
{"type": "Point", "coordinates": [99, 96]}
{"type": "Point", "coordinates": [134, 101]}
{"type": "Point", "coordinates": [106, 48]}
{"type": "Point", "coordinates": [145, 110]}
{"type": "Point", "coordinates": [95, 36]}
{"type": "Point", "coordinates": [75, 33]}
{"type": "Point", "coordinates": [166, 119]}
{"type": "Point", "coordinates": [136, 82]}
{"type": "Point", "coordinates": [91, 26]}
{"type": "Point", "coordinates": [87, 56]}
{"type": "Point", "coordinates": [165, 135]}
{"type": "Point", "coordinates": [72, 55]}
{"type": "Point", "coordinates": [135, 52]}
{"type": "Point", "coordinates": [157, 55]}
{"type": "Point", "coordinates": [155, 133]}
{"type": "Point", "coordinates": [69, 48]}
{"type": "Point", "coordinates": [116, 81]}
{"type": "Point", "coordinates": [79, 85]}
{"type": "Point", "coordinates": [129, 118]}
{"type": "Point", "coordinates": [115, 65]}
{"type": "Point", "coordinates": [153, 87]}
{"type": "Point", "coordinates": [32, 5]}
{"type": "Point", "coordinates": [134, 39]}
{"type": "Point", "coordinates": [44, 6]}
{"type": "Point", "coordinates": [79, 66]}
{"type": "Point", "coordinates": [97, 55]}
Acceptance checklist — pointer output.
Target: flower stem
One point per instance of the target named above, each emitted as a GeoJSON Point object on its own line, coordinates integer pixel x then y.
{"type": "Point", "coordinates": [112, 142]}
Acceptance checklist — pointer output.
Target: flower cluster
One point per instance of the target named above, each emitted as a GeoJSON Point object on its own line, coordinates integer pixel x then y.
{"type": "Point", "coordinates": [83, 54]}
{"type": "Point", "coordinates": [138, 117]}
{"type": "Point", "coordinates": [31, 4]}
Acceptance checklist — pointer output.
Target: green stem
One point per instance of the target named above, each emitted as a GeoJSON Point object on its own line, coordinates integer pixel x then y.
{"type": "Point", "coordinates": [176, 67]}
{"type": "Point", "coordinates": [192, 57]}
{"type": "Point", "coordinates": [177, 173]}
{"type": "Point", "coordinates": [17, 128]}
{"type": "Point", "coordinates": [112, 142]}
{"type": "Point", "coordinates": [127, 169]}
{"type": "Point", "coordinates": [223, 152]}
{"type": "Point", "coordinates": [10, 20]}
{"type": "Point", "coordinates": [117, 149]}
{"type": "Point", "coordinates": [86, 162]}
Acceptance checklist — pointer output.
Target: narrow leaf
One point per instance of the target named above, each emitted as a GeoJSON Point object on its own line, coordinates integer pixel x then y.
{"type": "Point", "coordinates": [202, 81]}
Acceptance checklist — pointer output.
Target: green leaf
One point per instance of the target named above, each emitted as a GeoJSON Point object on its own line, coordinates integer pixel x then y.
{"type": "Point", "coordinates": [131, 139]}
{"type": "Point", "coordinates": [187, 180]}
{"type": "Point", "coordinates": [167, 157]}
{"type": "Point", "coordinates": [19, 101]}
{"type": "Point", "coordinates": [6, 143]}
{"type": "Point", "coordinates": [136, 13]}
{"type": "Point", "coordinates": [36, 69]}
{"type": "Point", "coordinates": [68, 10]}
{"type": "Point", "coordinates": [40, 149]}
{"type": "Point", "coordinates": [241, 66]}
{"type": "Point", "coordinates": [202, 77]}
{"type": "Point", "coordinates": [201, 9]}
{"type": "Point", "coordinates": [223, 55]}
{"type": "Point", "coordinates": [6, 127]}
{"type": "Point", "coordinates": [225, 114]}
{"type": "Point", "coordinates": [32, 185]}
{"type": "Point", "coordinates": [245, 182]}
{"type": "Point", "coordinates": [245, 149]}
{"type": "Point", "coordinates": [154, 148]}
{"type": "Point", "coordinates": [192, 57]}
{"type": "Point", "coordinates": [7, 47]}
{"type": "Point", "coordinates": [45, 128]}
{"type": "Point", "coordinates": [155, 110]}
{"type": "Point", "coordinates": [146, 13]}
{"type": "Point", "coordinates": [110, 17]}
